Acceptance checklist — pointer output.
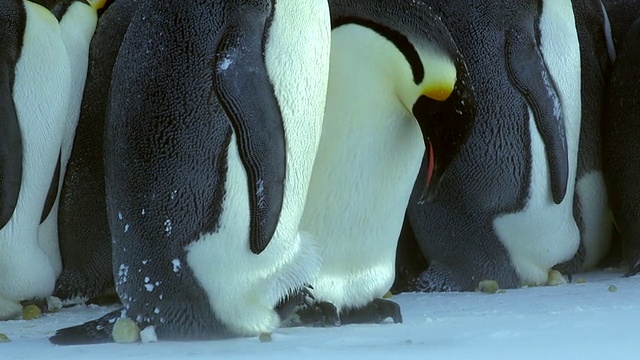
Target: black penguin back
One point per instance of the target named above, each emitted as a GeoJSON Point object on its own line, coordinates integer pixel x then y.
{"type": "Point", "coordinates": [85, 241]}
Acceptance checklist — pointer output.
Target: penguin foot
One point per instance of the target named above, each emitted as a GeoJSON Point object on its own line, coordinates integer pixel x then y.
{"type": "Point", "coordinates": [320, 314]}
{"type": "Point", "coordinates": [92, 332]}
{"type": "Point", "coordinates": [375, 312]}
{"type": "Point", "coordinates": [287, 305]}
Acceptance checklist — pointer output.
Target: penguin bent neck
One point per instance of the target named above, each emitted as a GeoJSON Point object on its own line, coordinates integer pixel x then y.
{"type": "Point", "coordinates": [369, 156]}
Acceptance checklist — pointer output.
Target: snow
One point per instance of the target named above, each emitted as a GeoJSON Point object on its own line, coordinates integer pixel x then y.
{"type": "Point", "coordinates": [582, 321]}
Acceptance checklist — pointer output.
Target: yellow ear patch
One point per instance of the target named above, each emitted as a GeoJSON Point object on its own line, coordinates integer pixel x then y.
{"type": "Point", "coordinates": [439, 91]}
{"type": "Point", "coordinates": [97, 4]}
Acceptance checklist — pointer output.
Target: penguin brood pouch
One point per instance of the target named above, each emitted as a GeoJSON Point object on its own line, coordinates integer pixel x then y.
{"type": "Point", "coordinates": [399, 91]}
{"type": "Point", "coordinates": [43, 53]}
{"type": "Point", "coordinates": [526, 192]}
{"type": "Point", "coordinates": [212, 124]}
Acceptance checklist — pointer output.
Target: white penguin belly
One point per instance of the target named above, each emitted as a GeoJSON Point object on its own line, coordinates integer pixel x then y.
{"type": "Point", "coordinates": [243, 287]}
{"type": "Point", "coordinates": [544, 234]}
{"type": "Point", "coordinates": [362, 180]}
{"type": "Point", "coordinates": [40, 95]}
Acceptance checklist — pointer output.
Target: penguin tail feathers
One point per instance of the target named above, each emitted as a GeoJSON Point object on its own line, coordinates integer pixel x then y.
{"type": "Point", "coordinates": [92, 332]}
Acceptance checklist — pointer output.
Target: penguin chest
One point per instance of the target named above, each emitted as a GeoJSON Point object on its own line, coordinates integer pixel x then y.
{"type": "Point", "coordinates": [362, 180]}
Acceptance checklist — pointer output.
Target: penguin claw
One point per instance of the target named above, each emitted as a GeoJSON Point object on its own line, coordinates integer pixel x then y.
{"type": "Point", "coordinates": [288, 304]}
{"type": "Point", "coordinates": [306, 291]}
{"type": "Point", "coordinates": [320, 314]}
{"type": "Point", "coordinates": [375, 312]}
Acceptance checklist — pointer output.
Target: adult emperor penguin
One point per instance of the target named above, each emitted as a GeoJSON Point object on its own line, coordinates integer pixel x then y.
{"type": "Point", "coordinates": [213, 122]}
{"type": "Point", "coordinates": [506, 210]}
{"type": "Point", "coordinates": [396, 83]}
{"type": "Point", "coordinates": [44, 65]}
{"type": "Point", "coordinates": [620, 150]}
{"type": "Point", "coordinates": [85, 242]}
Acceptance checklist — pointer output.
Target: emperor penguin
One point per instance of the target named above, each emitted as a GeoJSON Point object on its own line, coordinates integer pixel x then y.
{"type": "Point", "coordinates": [621, 151]}
{"type": "Point", "coordinates": [214, 117]}
{"type": "Point", "coordinates": [397, 87]}
{"type": "Point", "coordinates": [505, 212]}
{"type": "Point", "coordinates": [84, 238]}
{"type": "Point", "coordinates": [41, 80]}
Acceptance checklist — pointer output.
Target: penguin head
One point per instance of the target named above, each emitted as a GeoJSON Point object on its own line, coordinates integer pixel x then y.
{"type": "Point", "coordinates": [444, 107]}
{"type": "Point", "coordinates": [415, 52]}
{"type": "Point", "coordinates": [439, 95]}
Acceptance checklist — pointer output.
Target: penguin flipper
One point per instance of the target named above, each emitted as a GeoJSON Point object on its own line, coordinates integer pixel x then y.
{"type": "Point", "coordinates": [528, 73]}
{"type": "Point", "coordinates": [97, 331]}
{"type": "Point", "coordinates": [10, 147]}
{"type": "Point", "coordinates": [53, 190]}
{"type": "Point", "coordinates": [243, 88]}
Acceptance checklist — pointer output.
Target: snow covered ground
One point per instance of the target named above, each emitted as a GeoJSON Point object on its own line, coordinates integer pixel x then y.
{"type": "Point", "coordinates": [579, 321]}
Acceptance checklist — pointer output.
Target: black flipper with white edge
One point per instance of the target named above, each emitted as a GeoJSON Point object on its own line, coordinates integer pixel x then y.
{"type": "Point", "coordinates": [528, 73]}
{"type": "Point", "coordinates": [261, 143]}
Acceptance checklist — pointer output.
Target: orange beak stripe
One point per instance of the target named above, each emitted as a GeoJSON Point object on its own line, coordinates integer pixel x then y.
{"type": "Point", "coordinates": [439, 92]}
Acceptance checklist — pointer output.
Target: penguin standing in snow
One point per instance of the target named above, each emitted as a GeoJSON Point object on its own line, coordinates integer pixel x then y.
{"type": "Point", "coordinates": [397, 87]}
{"type": "Point", "coordinates": [506, 209]}
{"type": "Point", "coordinates": [621, 149]}
{"type": "Point", "coordinates": [44, 68]}
{"type": "Point", "coordinates": [85, 241]}
{"type": "Point", "coordinates": [213, 122]}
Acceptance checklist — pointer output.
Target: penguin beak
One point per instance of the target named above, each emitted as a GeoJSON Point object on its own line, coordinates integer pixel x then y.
{"type": "Point", "coordinates": [97, 4]}
{"type": "Point", "coordinates": [446, 122]}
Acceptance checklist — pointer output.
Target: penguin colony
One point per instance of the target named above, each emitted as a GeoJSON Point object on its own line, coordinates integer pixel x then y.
{"type": "Point", "coordinates": [223, 167]}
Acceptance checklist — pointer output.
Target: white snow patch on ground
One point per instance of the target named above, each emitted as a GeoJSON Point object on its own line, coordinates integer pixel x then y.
{"type": "Point", "coordinates": [579, 321]}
